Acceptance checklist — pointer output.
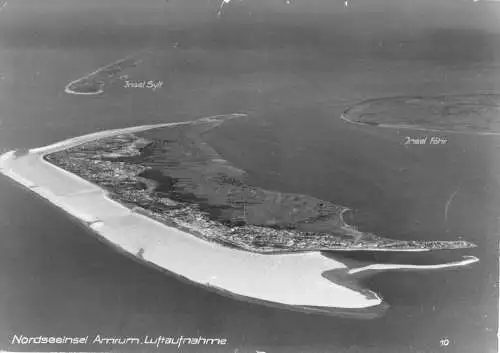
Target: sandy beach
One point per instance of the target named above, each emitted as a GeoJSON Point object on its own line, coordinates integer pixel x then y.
{"type": "Point", "coordinates": [289, 279]}
{"type": "Point", "coordinates": [295, 69]}
{"type": "Point", "coordinates": [294, 279]}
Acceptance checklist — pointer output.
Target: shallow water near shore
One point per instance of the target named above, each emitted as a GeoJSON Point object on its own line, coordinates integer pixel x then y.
{"type": "Point", "coordinates": [57, 279]}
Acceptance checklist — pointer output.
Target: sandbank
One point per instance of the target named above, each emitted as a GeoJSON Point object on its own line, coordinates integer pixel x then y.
{"type": "Point", "coordinates": [467, 260]}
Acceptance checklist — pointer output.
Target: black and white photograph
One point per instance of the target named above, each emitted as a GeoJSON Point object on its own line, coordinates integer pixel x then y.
{"type": "Point", "coordinates": [249, 176]}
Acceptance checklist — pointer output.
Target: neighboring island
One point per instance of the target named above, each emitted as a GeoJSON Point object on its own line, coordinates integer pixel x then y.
{"type": "Point", "coordinates": [93, 83]}
{"type": "Point", "coordinates": [473, 113]}
{"type": "Point", "coordinates": [172, 175]}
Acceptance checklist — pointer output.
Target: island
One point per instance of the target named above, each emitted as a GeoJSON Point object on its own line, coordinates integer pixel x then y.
{"type": "Point", "coordinates": [172, 175]}
{"type": "Point", "coordinates": [163, 195]}
{"type": "Point", "coordinates": [466, 113]}
{"type": "Point", "coordinates": [94, 82]}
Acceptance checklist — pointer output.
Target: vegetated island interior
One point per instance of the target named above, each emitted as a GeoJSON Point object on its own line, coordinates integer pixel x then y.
{"type": "Point", "coordinates": [174, 176]}
{"type": "Point", "coordinates": [471, 113]}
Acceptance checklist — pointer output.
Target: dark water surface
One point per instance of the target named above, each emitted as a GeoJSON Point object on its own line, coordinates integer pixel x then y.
{"type": "Point", "coordinates": [294, 71]}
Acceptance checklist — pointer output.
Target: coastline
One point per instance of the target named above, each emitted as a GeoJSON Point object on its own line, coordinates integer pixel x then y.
{"type": "Point", "coordinates": [298, 223]}
{"type": "Point", "coordinates": [93, 77]}
{"type": "Point", "coordinates": [292, 280]}
{"type": "Point", "coordinates": [416, 127]}
{"type": "Point", "coordinates": [364, 106]}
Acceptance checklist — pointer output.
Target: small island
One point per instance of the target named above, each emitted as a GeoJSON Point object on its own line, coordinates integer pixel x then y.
{"type": "Point", "coordinates": [93, 83]}
{"type": "Point", "coordinates": [174, 176]}
{"type": "Point", "coordinates": [472, 113]}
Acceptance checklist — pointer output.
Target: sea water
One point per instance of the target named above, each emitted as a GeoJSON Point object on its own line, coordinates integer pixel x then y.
{"type": "Point", "coordinates": [296, 73]}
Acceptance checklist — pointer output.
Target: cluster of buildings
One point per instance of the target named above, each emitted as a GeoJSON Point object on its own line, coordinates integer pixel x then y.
{"type": "Point", "coordinates": [115, 164]}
